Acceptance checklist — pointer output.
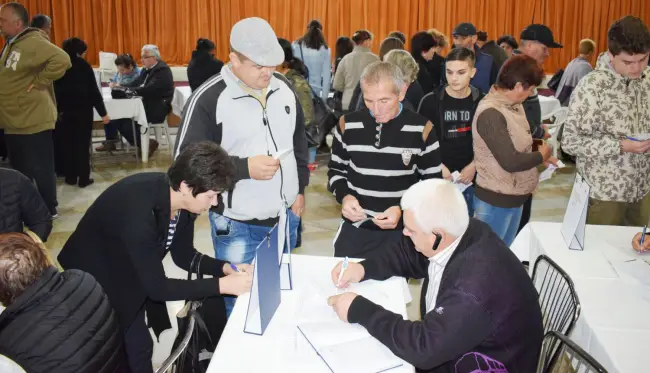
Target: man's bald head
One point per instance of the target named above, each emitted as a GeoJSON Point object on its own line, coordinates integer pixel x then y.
{"type": "Point", "coordinates": [14, 18]}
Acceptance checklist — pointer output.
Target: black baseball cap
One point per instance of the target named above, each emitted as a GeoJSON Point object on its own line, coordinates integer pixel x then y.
{"type": "Point", "coordinates": [464, 29]}
{"type": "Point", "coordinates": [540, 33]}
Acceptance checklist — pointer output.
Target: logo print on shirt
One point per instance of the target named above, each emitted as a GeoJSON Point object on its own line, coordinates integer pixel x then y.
{"type": "Point", "coordinates": [440, 310]}
{"type": "Point", "coordinates": [12, 60]}
{"type": "Point", "coordinates": [406, 157]}
{"type": "Point", "coordinates": [286, 108]}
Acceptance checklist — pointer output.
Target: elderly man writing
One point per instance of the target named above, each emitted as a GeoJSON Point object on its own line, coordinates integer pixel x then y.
{"type": "Point", "coordinates": [156, 87]}
{"type": "Point", "coordinates": [477, 300]}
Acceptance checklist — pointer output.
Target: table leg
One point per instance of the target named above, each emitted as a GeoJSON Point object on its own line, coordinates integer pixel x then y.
{"type": "Point", "coordinates": [144, 143]}
{"type": "Point", "coordinates": [137, 157]}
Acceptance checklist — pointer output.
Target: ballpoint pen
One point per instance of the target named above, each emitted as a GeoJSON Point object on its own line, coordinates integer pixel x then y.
{"type": "Point", "coordinates": [344, 267]}
{"type": "Point", "coordinates": [645, 228]}
{"type": "Point", "coordinates": [234, 267]}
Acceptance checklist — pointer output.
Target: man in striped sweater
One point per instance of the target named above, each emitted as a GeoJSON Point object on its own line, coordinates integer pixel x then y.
{"type": "Point", "coordinates": [377, 154]}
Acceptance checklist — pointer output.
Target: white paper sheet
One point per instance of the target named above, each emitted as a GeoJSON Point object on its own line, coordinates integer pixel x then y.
{"type": "Point", "coordinates": [461, 187]}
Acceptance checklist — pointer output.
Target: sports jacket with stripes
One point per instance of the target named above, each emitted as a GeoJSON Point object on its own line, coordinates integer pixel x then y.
{"type": "Point", "coordinates": [220, 110]}
{"type": "Point", "coordinates": [378, 163]}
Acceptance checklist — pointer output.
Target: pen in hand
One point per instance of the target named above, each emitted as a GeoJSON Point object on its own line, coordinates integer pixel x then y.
{"type": "Point", "coordinates": [343, 268]}
{"type": "Point", "coordinates": [234, 267]}
{"type": "Point", "coordinates": [645, 228]}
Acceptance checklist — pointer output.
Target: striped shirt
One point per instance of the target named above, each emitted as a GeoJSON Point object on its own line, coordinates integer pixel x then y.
{"type": "Point", "coordinates": [172, 230]}
{"type": "Point", "coordinates": [377, 163]}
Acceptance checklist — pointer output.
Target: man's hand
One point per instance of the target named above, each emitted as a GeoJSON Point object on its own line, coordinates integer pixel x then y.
{"type": "Point", "coordinates": [263, 167]}
{"type": "Point", "coordinates": [299, 205]}
{"type": "Point", "coordinates": [354, 274]}
{"type": "Point", "coordinates": [236, 284]}
{"type": "Point", "coordinates": [389, 218]}
{"type": "Point", "coordinates": [227, 269]}
{"type": "Point", "coordinates": [446, 174]}
{"type": "Point", "coordinates": [352, 209]}
{"type": "Point", "coordinates": [106, 119]}
{"type": "Point", "coordinates": [636, 243]}
{"type": "Point", "coordinates": [341, 304]}
{"type": "Point", "coordinates": [467, 174]}
{"type": "Point", "coordinates": [631, 146]}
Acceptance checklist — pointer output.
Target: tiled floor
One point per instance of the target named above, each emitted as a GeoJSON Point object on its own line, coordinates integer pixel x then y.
{"type": "Point", "coordinates": [321, 218]}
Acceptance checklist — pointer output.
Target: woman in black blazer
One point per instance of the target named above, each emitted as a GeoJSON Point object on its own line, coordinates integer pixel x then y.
{"type": "Point", "coordinates": [203, 64]}
{"type": "Point", "coordinates": [125, 234]}
{"type": "Point", "coordinates": [77, 93]}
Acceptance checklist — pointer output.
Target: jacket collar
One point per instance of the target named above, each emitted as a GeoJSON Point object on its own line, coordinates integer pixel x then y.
{"type": "Point", "coordinates": [36, 293]}
{"type": "Point", "coordinates": [498, 98]}
{"type": "Point", "coordinates": [233, 84]}
{"type": "Point", "coordinates": [475, 93]}
{"type": "Point", "coordinates": [361, 49]}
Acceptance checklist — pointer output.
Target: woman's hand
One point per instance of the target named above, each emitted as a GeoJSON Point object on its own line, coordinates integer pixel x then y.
{"type": "Point", "coordinates": [236, 284]}
{"type": "Point", "coordinates": [227, 269]}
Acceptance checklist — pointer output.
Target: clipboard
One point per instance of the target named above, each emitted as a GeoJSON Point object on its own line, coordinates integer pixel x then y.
{"type": "Point", "coordinates": [575, 217]}
{"type": "Point", "coordinates": [265, 291]}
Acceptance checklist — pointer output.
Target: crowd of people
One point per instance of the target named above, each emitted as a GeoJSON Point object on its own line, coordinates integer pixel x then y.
{"type": "Point", "coordinates": [434, 162]}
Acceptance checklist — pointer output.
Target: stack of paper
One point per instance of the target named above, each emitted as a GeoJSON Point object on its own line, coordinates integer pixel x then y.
{"type": "Point", "coordinates": [548, 173]}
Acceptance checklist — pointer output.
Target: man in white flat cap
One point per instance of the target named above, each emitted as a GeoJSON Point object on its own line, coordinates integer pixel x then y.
{"type": "Point", "coordinates": [253, 113]}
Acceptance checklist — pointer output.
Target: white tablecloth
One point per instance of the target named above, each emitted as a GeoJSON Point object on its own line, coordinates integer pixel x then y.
{"type": "Point", "coordinates": [181, 95]}
{"type": "Point", "coordinates": [127, 109]}
{"type": "Point", "coordinates": [549, 106]}
{"type": "Point", "coordinates": [282, 348]}
{"type": "Point", "coordinates": [613, 286]}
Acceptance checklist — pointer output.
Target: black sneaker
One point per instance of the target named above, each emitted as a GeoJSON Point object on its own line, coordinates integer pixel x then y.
{"type": "Point", "coordinates": [83, 184]}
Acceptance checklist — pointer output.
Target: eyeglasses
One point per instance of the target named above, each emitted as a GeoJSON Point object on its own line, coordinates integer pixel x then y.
{"type": "Point", "coordinates": [143, 57]}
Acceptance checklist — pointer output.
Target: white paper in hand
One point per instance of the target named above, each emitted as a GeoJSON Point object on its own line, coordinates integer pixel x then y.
{"type": "Point", "coordinates": [282, 154]}
{"type": "Point", "coordinates": [461, 187]}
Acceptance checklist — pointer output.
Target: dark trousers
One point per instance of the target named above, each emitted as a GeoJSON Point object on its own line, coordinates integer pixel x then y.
{"type": "Point", "coordinates": [125, 128]}
{"type": "Point", "coordinates": [360, 242]}
{"type": "Point", "coordinates": [33, 156]}
{"type": "Point", "coordinates": [138, 345]}
{"type": "Point", "coordinates": [73, 136]}
{"type": "Point", "coordinates": [525, 213]}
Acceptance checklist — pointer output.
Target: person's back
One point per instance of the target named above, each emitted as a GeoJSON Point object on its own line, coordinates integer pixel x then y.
{"type": "Point", "coordinates": [203, 65]}
{"type": "Point", "coordinates": [55, 322]}
{"type": "Point", "coordinates": [316, 55]}
{"type": "Point", "coordinates": [21, 205]}
{"type": "Point", "coordinates": [351, 66]}
{"type": "Point", "coordinates": [577, 69]}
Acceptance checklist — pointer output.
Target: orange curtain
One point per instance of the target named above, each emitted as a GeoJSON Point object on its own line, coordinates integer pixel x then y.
{"type": "Point", "coordinates": [174, 25]}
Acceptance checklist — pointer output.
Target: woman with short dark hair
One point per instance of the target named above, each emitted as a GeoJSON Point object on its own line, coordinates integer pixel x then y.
{"type": "Point", "coordinates": [203, 64]}
{"type": "Point", "coordinates": [423, 48]}
{"type": "Point", "coordinates": [504, 153]}
{"type": "Point", "coordinates": [313, 51]}
{"type": "Point", "coordinates": [77, 94]}
{"type": "Point", "coordinates": [55, 322]}
{"type": "Point", "coordinates": [127, 231]}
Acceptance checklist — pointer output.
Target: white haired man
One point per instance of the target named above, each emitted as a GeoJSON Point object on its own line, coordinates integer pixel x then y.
{"type": "Point", "coordinates": [156, 87]}
{"type": "Point", "coordinates": [477, 301]}
{"type": "Point", "coordinates": [377, 154]}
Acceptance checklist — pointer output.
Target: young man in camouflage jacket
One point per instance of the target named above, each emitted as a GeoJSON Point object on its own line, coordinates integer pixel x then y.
{"type": "Point", "coordinates": [608, 109]}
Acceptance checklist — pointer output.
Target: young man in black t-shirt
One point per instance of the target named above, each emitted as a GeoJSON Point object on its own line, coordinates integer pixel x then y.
{"type": "Point", "coordinates": [451, 110]}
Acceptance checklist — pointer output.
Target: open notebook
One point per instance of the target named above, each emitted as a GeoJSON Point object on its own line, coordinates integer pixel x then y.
{"type": "Point", "coordinates": [345, 347]}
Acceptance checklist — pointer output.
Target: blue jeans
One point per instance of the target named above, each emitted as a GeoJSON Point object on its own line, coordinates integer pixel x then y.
{"type": "Point", "coordinates": [110, 130]}
{"type": "Point", "coordinates": [236, 242]}
{"type": "Point", "coordinates": [312, 155]}
{"type": "Point", "coordinates": [503, 221]}
{"type": "Point", "coordinates": [469, 199]}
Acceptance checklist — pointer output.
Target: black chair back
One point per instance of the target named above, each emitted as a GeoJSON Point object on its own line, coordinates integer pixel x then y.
{"type": "Point", "coordinates": [568, 356]}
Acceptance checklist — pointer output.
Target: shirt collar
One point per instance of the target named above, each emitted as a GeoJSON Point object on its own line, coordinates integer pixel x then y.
{"type": "Point", "coordinates": [442, 257]}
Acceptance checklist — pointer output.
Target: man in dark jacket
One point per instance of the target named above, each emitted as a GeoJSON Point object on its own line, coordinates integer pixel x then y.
{"type": "Point", "coordinates": [536, 40]}
{"type": "Point", "coordinates": [21, 205]}
{"type": "Point", "coordinates": [203, 65]}
{"type": "Point", "coordinates": [156, 87]}
{"type": "Point", "coordinates": [125, 234]}
{"type": "Point", "coordinates": [477, 301]}
{"type": "Point", "coordinates": [486, 69]}
{"type": "Point", "coordinates": [491, 48]}
{"type": "Point", "coordinates": [54, 322]}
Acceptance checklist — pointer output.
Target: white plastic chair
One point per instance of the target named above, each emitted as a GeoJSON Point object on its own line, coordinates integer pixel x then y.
{"type": "Point", "coordinates": [107, 63]}
{"type": "Point", "coordinates": [160, 129]}
{"type": "Point", "coordinates": [560, 116]}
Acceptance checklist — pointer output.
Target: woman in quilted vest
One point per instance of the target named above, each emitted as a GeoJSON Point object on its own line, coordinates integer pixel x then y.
{"type": "Point", "coordinates": [505, 156]}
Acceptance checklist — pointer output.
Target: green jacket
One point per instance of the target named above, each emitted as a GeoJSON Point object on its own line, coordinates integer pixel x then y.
{"type": "Point", "coordinates": [304, 93]}
{"type": "Point", "coordinates": [29, 58]}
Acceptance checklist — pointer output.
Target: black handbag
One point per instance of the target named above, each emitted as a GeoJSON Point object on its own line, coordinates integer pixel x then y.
{"type": "Point", "coordinates": [324, 120]}
{"type": "Point", "coordinates": [120, 93]}
{"type": "Point", "coordinates": [210, 320]}
{"type": "Point", "coordinates": [554, 82]}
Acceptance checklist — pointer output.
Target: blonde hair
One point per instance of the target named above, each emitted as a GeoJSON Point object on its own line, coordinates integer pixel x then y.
{"type": "Point", "coordinates": [586, 46]}
{"type": "Point", "coordinates": [405, 62]}
{"type": "Point", "coordinates": [439, 36]}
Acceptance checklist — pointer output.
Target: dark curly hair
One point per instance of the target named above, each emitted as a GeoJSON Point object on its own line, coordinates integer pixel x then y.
{"type": "Point", "coordinates": [203, 166]}
{"type": "Point", "coordinates": [628, 34]}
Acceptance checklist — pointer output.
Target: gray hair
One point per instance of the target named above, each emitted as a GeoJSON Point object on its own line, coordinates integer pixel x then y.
{"type": "Point", "coordinates": [437, 204]}
{"type": "Point", "coordinates": [153, 50]}
{"type": "Point", "coordinates": [377, 71]}
{"type": "Point", "coordinates": [405, 62]}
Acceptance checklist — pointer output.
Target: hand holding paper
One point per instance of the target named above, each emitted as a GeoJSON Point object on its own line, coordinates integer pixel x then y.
{"type": "Point", "coordinates": [352, 209]}
{"type": "Point", "coordinates": [262, 167]}
{"type": "Point", "coordinates": [389, 218]}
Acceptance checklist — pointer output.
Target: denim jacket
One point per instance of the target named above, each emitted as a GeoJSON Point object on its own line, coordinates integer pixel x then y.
{"type": "Point", "coordinates": [319, 64]}
{"type": "Point", "coordinates": [123, 79]}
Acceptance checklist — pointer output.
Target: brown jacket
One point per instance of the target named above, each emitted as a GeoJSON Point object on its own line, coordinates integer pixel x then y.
{"type": "Point", "coordinates": [29, 59]}
{"type": "Point", "coordinates": [348, 74]}
{"type": "Point", "coordinates": [512, 174]}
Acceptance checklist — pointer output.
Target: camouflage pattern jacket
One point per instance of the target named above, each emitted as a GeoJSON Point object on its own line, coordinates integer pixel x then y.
{"type": "Point", "coordinates": [605, 108]}
{"type": "Point", "coordinates": [304, 93]}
